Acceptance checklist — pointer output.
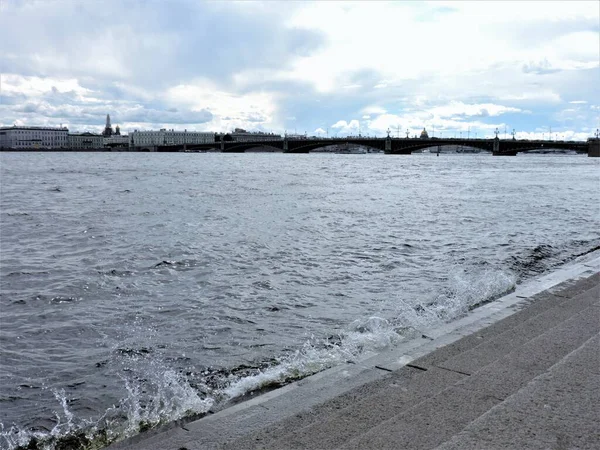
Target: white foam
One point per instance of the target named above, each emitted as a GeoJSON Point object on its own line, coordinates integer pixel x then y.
{"type": "Point", "coordinates": [166, 395]}
{"type": "Point", "coordinates": [466, 287]}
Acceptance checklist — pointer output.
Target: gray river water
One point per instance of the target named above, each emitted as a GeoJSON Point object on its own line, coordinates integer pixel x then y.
{"type": "Point", "coordinates": [137, 289]}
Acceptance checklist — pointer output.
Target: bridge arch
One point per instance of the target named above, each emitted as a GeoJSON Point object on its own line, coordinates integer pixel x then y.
{"type": "Point", "coordinates": [514, 147]}
{"type": "Point", "coordinates": [460, 148]}
{"type": "Point", "coordinates": [402, 146]}
{"type": "Point", "coordinates": [243, 146]}
{"type": "Point", "coordinates": [307, 146]}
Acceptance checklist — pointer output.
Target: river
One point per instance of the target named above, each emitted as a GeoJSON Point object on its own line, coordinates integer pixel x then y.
{"type": "Point", "coordinates": [137, 289]}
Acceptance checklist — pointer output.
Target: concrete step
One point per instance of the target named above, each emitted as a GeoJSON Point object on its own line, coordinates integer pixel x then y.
{"type": "Point", "coordinates": [436, 420]}
{"type": "Point", "coordinates": [558, 409]}
{"type": "Point", "coordinates": [496, 346]}
{"type": "Point", "coordinates": [361, 409]}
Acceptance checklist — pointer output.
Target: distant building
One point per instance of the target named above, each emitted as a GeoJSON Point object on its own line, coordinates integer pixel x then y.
{"type": "Point", "coordinates": [85, 140]}
{"type": "Point", "coordinates": [241, 135]}
{"type": "Point", "coordinates": [116, 140]}
{"type": "Point", "coordinates": [424, 134]}
{"type": "Point", "coordinates": [169, 137]}
{"type": "Point", "coordinates": [296, 136]}
{"type": "Point", "coordinates": [33, 137]}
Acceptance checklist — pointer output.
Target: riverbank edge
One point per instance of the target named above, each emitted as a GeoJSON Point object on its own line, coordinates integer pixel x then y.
{"type": "Point", "coordinates": [267, 409]}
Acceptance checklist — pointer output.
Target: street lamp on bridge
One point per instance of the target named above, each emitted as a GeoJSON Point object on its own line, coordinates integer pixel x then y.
{"type": "Point", "coordinates": [496, 131]}
{"type": "Point", "coordinates": [407, 133]}
{"type": "Point", "coordinates": [597, 133]}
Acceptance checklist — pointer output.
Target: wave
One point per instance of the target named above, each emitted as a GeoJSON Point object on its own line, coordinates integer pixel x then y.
{"type": "Point", "coordinates": [545, 257]}
{"type": "Point", "coordinates": [158, 394]}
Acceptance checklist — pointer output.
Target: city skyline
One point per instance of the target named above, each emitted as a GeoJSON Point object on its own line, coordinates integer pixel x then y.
{"type": "Point", "coordinates": [324, 68]}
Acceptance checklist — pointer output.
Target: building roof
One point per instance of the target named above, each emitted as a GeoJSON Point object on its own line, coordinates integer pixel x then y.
{"type": "Point", "coordinates": [15, 127]}
{"type": "Point", "coordinates": [87, 133]}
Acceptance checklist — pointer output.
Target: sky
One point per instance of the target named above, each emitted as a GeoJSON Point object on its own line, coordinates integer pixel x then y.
{"type": "Point", "coordinates": [326, 68]}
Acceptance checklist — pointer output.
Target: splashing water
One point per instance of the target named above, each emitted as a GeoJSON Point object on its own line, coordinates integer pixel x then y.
{"type": "Point", "coordinates": [157, 394]}
{"type": "Point", "coordinates": [162, 397]}
{"type": "Point", "coordinates": [467, 289]}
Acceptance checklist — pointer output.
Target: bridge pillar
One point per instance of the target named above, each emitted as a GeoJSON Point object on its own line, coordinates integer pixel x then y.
{"type": "Point", "coordinates": [285, 145]}
{"type": "Point", "coordinates": [388, 144]}
{"type": "Point", "coordinates": [222, 145]}
{"type": "Point", "coordinates": [507, 152]}
{"type": "Point", "coordinates": [594, 148]}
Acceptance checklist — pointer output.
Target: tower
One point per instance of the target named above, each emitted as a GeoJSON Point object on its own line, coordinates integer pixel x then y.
{"type": "Point", "coordinates": [117, 131]}
{"type": "Point", "coordinates": [107, 129]}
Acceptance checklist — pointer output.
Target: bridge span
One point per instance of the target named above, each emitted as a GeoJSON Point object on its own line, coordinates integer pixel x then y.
{"type": "Point", "coordinates": [389, 145]}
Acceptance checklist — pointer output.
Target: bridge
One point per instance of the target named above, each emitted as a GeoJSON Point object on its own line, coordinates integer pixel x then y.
{"type": "Point", "coordinates": [389, 145]}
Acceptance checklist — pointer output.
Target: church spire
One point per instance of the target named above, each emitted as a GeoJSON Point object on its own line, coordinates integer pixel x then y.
{"type": "Point", "coordinates": [108, 129]}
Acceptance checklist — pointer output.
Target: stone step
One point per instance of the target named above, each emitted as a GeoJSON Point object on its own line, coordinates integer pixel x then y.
{"type": "Point", "coordinates": [361, 409]}
{"type": "Point", "coordinates": [558, 409]}
{"type": "Point", "coordinates": [496, 346]}
{"type": "Point", "coordinates": [438, 419]}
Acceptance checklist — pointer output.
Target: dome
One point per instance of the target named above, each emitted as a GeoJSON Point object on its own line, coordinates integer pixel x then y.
{"type": "Point", "coordinates": [424, 134]}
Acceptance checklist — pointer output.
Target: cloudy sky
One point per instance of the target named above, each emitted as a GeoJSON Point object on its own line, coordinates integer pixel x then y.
{"type": "Point", "coordinates": [324, 68]}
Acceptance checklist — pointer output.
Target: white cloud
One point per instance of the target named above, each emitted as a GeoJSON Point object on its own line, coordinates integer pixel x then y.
{"type": "Point", "coordinates": [468, 38]}
{"type": "Point", "coordinates": [545, 96]}
{"type": "Point", "coordinates": [373, 110]}
{"type": "Point", "coordinates": [33, 86]}
{"type": "Point", "coordinates": [343, 128]}
{"type": "Point", "coordinates": [245, 111]}
{"type": "Point", "coordinates": [477, 110]}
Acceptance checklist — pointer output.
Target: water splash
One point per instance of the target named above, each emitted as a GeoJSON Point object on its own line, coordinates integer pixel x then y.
{"type": "Point", "coordinates": [468, 287]}
{"type": "Point", "coordinates": [157, 394]}
{"type": "Point", "coordinates": [161, 396]}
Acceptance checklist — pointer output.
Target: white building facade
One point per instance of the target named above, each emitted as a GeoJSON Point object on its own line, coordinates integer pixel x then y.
{"type": "Point", "coordinates": [34, 137]}
{"type": "Point", "coordinates": [169, 137]}
{"type": "Point", "coordinates": [85, 140]}
{"type": "Point", "coordinates": [116, 140]}
{"type": "Point", "coordinates": [241, 135]}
